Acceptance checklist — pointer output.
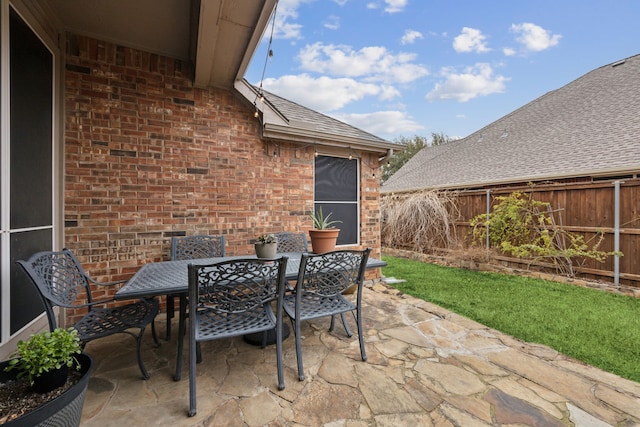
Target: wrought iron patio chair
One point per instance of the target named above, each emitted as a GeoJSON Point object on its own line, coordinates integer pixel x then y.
{"type": "Point", "coordinates": [229, 299]}
{"type": "Point", "coordinates": [321, 281]}
{"type": "Point", "coordinates": [291, 242]}
{"type": "Point", "coordinates": [62, 282]}
{"type": "Point", "coordinates": [192, 247]}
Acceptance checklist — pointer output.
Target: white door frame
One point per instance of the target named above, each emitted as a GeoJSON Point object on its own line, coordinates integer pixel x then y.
{"type": "Point", "coordinates": [34, 16]}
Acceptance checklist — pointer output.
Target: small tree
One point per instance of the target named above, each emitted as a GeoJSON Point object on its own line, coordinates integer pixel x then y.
{"type": "Point", "coordinates": [526, 228]}
{"type": "Point", "coordinates": [439, 139]}
{"type": "Point", "coordinates": [411, 147]}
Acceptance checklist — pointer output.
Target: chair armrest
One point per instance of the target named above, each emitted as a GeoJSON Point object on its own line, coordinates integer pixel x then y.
{"type": "Point", "coordinates": [94, 282]}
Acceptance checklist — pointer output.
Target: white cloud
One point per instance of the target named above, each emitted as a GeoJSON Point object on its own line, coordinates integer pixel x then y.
{"type": "Point", "coordinates": [410, 36]}
{"type": "Point", "coordinates": [340, 2]}
{"type": "Point", "coordinates": [508, 51]}
{"type": "Point", "coordinates": [332, 22]}
{"type": "Point", "coordinates": [470, 40]}
{"type": "Point", "coordinates": [475, 81]}
{"type": "Point", "coordinates": [323, 93]}
{"type": "Point", "coordinates": [388, 92]}
{"type": "Point", "coordinates": [287, 12]}
{"type": "Point", "coordinates": [286, 30]}
{"type": "Point", "coordinates": [373, 63]}
{"type": "Point", "coordinates": [533, 37]}
{"type": "Point", "coordinates": [383, 123]}
{"type": "Point", "coordinates": [394, 6]}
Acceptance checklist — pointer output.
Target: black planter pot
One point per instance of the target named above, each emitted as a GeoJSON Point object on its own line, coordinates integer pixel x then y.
{"type": "Point", "coordinates": [63, 411]}
{"type": "Point", "coordinates": [51, 380]}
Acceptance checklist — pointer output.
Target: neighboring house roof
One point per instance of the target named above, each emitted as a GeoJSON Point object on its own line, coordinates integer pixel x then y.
{"type": "Point", "coordinates": [590, 127]}
{"type": "Point", "coordinates": [286, 120]}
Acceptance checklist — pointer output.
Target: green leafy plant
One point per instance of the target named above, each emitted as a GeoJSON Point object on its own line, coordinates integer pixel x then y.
{"type": "Point", "coordinates": [45, 352]}
{"type": "Point", "coordinates": [322, 222]}
{"type": "Point", "coordinates": [266, 238]}
{"type": "Point", "coordinates": [526, 228]}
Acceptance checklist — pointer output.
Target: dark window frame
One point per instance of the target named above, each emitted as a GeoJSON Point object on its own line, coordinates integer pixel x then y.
{"type": "Point", "coordinates": [337, 190]}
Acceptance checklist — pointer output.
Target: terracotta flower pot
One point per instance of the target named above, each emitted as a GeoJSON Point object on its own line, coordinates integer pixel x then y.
{"type": "Point", "coordinates": [323, 240]}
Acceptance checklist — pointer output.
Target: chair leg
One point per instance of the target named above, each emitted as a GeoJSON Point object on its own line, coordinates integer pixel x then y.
{"type": "Point", "coordinates": [181, 332]}
{"type": "Point", "coordinates": [192, 374]}
{"type": "Point", "coordinates": [279, 355]}
{"type": "Point", "coordinates": [360, 333]}
{"type": "Point", "coordinates": [138, 338]}
{"type": "Point", "coordinates": [296, 328]}
{"type": "Point", "coordinates": [154, 334]}
{"type": "Point", "coordinates": [170, 315]}
{"type": "Point", "coordinates": [346, 325]}
{"type": "Point", "coordinates": [198, 353]}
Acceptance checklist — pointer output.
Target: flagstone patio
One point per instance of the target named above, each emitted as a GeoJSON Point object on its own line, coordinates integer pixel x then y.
{"type": "Point", "coordinates": [426, 367]}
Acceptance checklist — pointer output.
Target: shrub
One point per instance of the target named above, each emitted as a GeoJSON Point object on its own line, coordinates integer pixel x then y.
{"type": "Point", "coordinates": [422, 221]}
{"type": "Point", "coordinates": [526, 228]}
{"type": "Point", "coordinates": [45, 352]}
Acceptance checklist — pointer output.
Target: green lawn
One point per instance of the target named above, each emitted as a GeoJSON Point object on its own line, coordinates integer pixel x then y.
{"type": "Point", "coordinates": [596, 327]}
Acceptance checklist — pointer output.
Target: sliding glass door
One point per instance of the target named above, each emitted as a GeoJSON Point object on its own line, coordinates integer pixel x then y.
{"type": "Point", "coordinates": [26, 164]}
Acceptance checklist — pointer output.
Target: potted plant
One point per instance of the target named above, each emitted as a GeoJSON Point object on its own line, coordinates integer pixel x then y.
{"type": "Point", "coordinates": [266, 246]}
{"type": "Point", "coordinates": [36, 378]}
{"type": "Point", "coordinates": [324, 235]}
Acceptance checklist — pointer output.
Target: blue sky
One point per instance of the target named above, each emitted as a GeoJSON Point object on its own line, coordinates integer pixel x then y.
{"type": "Point", "coordinates": [399, 68]}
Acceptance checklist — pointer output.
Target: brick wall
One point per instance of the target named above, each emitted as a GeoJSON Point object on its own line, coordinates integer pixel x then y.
{"type": "Point", "coordinates": [148, 156]}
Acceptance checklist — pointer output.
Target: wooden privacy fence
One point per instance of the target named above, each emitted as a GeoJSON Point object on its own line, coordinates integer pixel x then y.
{"type": "Point", "coordinates": [609, 207]}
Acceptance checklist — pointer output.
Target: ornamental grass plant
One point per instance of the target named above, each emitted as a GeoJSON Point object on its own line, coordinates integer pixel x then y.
{"type": "Point", "coordinates": [599, 328]}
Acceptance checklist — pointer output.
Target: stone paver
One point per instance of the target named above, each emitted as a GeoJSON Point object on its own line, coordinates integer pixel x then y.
{"type": "Point", "coordinates": [426, 366]}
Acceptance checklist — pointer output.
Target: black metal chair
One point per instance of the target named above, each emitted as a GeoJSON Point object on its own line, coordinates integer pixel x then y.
{"type": "Point", "coordinates": [321, 281]}
{"type": "Point", "coordinates": [291, 242]}
{"type": "Point", "coordinates": [229, 299]}
{"type": "Point", "coordinates": [192, 247]}
{"type": "Point", "coordinates": [62, 282]}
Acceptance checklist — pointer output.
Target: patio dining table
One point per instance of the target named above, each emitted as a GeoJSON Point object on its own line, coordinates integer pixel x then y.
{"type": "Point", "coordinates": [171, 277]}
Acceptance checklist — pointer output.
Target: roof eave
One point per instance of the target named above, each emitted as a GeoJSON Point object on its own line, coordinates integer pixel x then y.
{"type": "Point", "coordinates": [225, 44]}
{"type": "Point", "coordinates": [276, 126]}
{"type": "Point", "coordinates": [306, 136]}
{"type": "Point", "coordinates": [600, 173]}
{"type": "Point", "coordinates": [256, 37]}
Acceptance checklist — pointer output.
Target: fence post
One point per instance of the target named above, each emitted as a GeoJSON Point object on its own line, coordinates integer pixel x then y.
{"type": "Point", "coordinates": [616, 233]}
{"type": "Point", "coordinates": [487, 222]}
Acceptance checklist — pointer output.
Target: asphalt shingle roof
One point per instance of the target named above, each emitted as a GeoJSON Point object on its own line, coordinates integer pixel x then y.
{"type": "Point", "coordinates": [319, 122]}
{"type": "Point", "coordinates": [591, 126]}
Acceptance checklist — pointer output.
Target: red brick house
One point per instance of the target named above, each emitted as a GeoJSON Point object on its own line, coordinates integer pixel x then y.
{"type": "Point", "coordinates": [125, 123]}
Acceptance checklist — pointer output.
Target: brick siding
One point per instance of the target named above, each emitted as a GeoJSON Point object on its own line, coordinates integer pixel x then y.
{"type": "Point", "coordinates": [148, 156]}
